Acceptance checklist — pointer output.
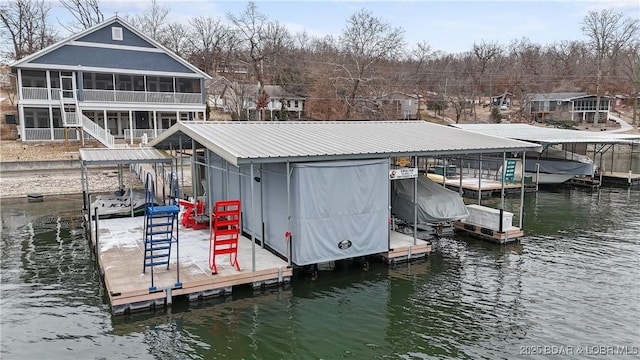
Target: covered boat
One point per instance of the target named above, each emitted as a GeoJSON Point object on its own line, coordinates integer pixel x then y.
{"type": "Point", "coordinates": [436, 204]}
{"type": "Point", "coordinates": [119, 203]}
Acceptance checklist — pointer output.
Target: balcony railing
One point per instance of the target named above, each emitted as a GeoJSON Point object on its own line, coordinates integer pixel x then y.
{"type": "Point", "coordinates": [44, 134]}
{"type": "Point", "coordinates": [141, 97]}
{"type": "Point", "coordinates": [34, 93]}
{"type": "Point", "coordinates": [137, 133]}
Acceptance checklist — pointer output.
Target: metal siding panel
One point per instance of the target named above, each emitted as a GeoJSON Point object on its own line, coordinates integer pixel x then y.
{"type": "Point", "coordinates": [103, 36]}
{"type": "Point", "coordinates": [73, 55]}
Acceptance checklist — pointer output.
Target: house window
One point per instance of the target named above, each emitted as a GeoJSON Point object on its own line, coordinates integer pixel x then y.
{"type": "Point", "coordinates": [295, 104]}
{"type": "Point", "coordinates": [116, 33]}
{"type": "Point", "coordinates": [36, 118]}
{"type": "Point", "coordinates": [288, 103]}
{"type": "Point", "coordinates": [34, 78]}
{"type": "Point", "coordinates": [55, 79]}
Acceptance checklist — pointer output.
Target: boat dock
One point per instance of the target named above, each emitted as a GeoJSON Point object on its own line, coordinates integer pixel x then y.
{"type": "Point", "coordinates": [471, 186]}
{"type": "Point", "coordinates": [620, 178]}
{"type": "Point", "coordinates": [402, 248]}
{"type": "Point", "coordinates": [120, 251]}
{"type": "Point", "coordinates": [512, 234]}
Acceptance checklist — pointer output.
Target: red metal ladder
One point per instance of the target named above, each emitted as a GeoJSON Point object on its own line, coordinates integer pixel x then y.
{"type": "Point", "coordinates": [224, 231]}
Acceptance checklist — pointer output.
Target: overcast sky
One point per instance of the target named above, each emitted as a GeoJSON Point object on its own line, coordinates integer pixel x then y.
{"type": "Point", "coordinates": [450, 26]}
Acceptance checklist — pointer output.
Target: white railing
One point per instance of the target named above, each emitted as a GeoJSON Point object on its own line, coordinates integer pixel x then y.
{"type": "Point", "coordinates": [95, 130]}
{"type": "Point", "coordinates": [184, 98]}
{"type": "Point", "coordinates": [131, 96]}
{"type": "Point", "coordinates": [58, 134]}
{"type": "Point", "coordinates": [141, 97]}
{"type": "Point", "coordinates": [137, 133]}
{"type": "Point", "coordinates": [55, 94]}
{"type": "Point", "coordinates": [98, 95]}
{"type": "Point", "coordinates": [33, 93]}
{"type": "Point", "coordinates": [71, 119]}
{"type": "Point", "coordinates": [37, 134]}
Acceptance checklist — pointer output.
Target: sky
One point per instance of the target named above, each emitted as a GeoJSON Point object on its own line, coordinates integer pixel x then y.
{"type": "Point", "coordinates": [450, 26]}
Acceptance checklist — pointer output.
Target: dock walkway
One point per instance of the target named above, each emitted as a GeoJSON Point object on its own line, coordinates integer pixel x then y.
{"type": "Point", "coordinates": [120, 249]}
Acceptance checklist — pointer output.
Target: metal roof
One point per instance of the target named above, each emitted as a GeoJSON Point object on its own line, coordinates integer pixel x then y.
{"type": "Point", "coordinates": [259, 142]}
{"type": "Point", "coordinates": [146, 155]}
{"type": "Point", "coordinates": [545, 135]}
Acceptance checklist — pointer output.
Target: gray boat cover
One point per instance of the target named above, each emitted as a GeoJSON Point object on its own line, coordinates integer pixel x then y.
{"type": "Point", "coordinates": [340, 210]}
{"type": "Point", "coordinates": [436, 204]}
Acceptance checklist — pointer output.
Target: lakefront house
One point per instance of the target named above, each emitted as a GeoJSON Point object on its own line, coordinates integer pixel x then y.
{"type": "Point", "coordinates": [109, 81]}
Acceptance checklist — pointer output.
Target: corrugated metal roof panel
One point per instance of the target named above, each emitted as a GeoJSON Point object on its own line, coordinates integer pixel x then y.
{"type": "Point", "coordinates": [123, 156]}
{"type": "Point", "coordinates": [538, 134]}
{"type": "Point", "coordinates": [243, 142]}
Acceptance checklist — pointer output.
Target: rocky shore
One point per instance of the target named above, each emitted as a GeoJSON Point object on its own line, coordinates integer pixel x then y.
{"type": "Point", "coordinates": [45, 179]}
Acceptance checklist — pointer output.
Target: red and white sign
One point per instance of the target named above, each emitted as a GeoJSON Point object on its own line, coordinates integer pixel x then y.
{"type": "Point", "coordinates": [403, 173]}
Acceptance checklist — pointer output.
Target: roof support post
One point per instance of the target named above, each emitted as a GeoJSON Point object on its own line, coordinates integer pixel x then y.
{"type": "Point", "coordinates": [194, 171]}
{"type": "Point", "coordinates": [181, 152]}
{"type": "Point", "coordinates": [390, 220]}
{"type": "Point", "coordinates": [289, 244]}
{"type": "Point", "coordinates": [502, 178]}
{"type": "Point", "coordinates": [415, 205]}
{"type": "Point", "coordinates": [131, 127]}
{"type": "Point", "coordinates": [522, 192]}
{"type": "Point", "coordinates": [253, 219]}
{"type": "Point", "coordinates": [479, 178]}
{"type": "Point", "coordinates": [460, 191]}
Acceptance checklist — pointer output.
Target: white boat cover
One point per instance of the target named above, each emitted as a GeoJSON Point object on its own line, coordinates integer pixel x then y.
{"type": "Point", "coordinates": [436, 204]}
{"type": "Point", "coordinates": [114, 205]}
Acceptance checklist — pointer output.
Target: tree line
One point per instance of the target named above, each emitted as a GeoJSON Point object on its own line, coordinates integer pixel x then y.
{"type": "Point", "coordinates": [342, 76]}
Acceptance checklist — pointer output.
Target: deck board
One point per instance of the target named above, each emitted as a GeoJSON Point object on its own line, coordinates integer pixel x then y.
{"type": "Point", "coordinates": [121, 250]}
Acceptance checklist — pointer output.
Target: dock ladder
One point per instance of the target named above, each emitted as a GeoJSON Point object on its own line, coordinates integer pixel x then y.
{"type": "Point", "coordinates": [224, 231]}
{"type": "Point", "coordinates": [160, 228]}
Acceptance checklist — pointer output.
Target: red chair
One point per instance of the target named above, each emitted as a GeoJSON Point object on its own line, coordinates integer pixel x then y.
{"type": "Point", "coordinates": [224, 232]}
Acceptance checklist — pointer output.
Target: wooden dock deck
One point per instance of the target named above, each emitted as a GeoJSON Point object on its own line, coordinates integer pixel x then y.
{"type": "Point", "coordinates": [403, 249]}
{"type": "Point", "coordinates": [121, 251]}
{"type": "Point", "coordinates": [511, 234]}
{"type": "Point", "coordinates": [620, 178]}
{"type": "Point", "coordinates": [472, 185]}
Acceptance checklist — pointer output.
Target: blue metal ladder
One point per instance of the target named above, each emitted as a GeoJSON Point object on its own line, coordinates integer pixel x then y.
{"type": "Point", "coordinates": [159, 226]}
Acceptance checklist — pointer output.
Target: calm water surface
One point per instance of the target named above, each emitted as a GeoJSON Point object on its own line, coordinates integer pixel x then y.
{"type": "Point", "coordinates": [573, 281]}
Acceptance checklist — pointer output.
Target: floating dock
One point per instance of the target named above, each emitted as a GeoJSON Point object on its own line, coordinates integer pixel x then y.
{"type": "Point", "coordinates": [512, 234]}
{"type": "Point", "coordinates": [620, 178]}
{"type": "Point", "coordinates": [120, 250]}
{"type": "Point", "coordinates": [402, 248]}
{"type": "Point", "coordinates": [472, 185]}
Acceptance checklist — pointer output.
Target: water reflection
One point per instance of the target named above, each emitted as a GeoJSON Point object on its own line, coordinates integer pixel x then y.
{"type": "Point", "coordinates": [572, 280]}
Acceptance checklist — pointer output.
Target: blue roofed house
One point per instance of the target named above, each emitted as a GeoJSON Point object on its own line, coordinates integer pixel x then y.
{"type": "Point", "coordinates": [109, 81]}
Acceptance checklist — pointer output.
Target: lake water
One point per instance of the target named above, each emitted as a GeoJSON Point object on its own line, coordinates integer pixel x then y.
{"type": "Point", "coordinates": [571, 286]}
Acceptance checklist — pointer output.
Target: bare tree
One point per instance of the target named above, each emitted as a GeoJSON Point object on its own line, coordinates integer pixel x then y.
{"type": "Point", "coordinates": [86, 13]}
{"type": "Point", "coordinates": [607, 33]}
{"type": "Point", "coordinates": [176, 39]}
{"type": "Point", "coordinates": [153, 21]}
{"type": "Point", "coordinates": [261, 39]}
{"type": "Point", "coordinates": [207, 39]}
{"type": "Point", "coordinates": [365, 42]}
{"type": "Point", "coordinates": [27, 25]}
{"type": "Point", "coordinates": [631, 69]}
